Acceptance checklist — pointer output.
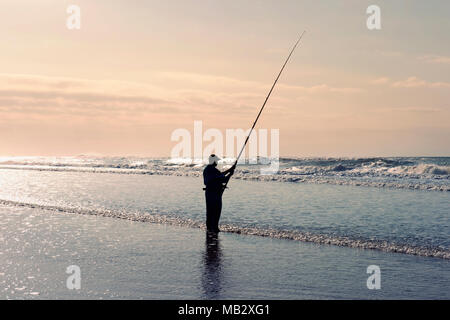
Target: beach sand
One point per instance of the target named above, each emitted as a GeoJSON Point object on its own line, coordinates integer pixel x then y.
{"type": "Point", "coordinates": [122, 259]}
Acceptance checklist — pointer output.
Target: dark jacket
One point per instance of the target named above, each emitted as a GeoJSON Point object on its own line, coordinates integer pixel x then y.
{"type": "Point", "coordinates": [213, 179]}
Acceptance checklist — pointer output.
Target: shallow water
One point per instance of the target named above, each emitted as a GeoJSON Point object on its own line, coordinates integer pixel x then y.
{"type": "Point", "coordinates": [410, 221]}
{"type": "Point", "coordinates": [50, 220]}
{"type": "Point", "coordinates": [122, 259]}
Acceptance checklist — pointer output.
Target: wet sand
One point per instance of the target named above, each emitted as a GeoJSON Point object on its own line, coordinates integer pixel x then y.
{"type": "Point", "coordinates": [122, 259]}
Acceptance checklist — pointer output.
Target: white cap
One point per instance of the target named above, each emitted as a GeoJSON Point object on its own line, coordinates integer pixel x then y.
{"type": "Point", "coordinates": [214, 159]}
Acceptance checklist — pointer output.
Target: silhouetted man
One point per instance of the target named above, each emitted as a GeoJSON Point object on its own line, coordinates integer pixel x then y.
{"type": "Point", "coordinates": [214, 181]}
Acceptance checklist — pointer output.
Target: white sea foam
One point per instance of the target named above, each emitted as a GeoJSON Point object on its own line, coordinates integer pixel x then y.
{"type": "Point", "coordinates": [293, 235]}
{"type": "Point", "coordinates": [402, 173]}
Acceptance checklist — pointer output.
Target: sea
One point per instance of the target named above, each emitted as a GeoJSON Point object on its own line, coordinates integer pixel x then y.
{"type": "Point", "coordinates": [396, 206]}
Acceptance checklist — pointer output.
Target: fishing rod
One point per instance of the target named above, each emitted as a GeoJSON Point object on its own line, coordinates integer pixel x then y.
{"type": "Point", "coordinates": [265, 101]}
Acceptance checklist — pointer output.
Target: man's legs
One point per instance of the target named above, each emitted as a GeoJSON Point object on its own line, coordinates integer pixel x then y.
{"type": "Point", "coordinates": [217, 213]}
{"type": "Point", "coordinates": [213, 210]}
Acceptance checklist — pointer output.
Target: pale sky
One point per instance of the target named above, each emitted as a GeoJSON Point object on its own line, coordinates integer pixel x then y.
{"type": "Point", "coordinates": [138, 70]}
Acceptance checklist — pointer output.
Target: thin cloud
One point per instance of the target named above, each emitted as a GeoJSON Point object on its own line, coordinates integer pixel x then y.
{"type": "Point", "coordinates": [254, 86]}
{"type": "Point", "coordinates": [43, 95]}
{"type": "Point", "coordinates": [324, 88]}
{"type": "Point", "coordinates": [435, 59]}
{"type": "Point", "coordinates": [415, 82]}
{"type": "Point", "coordinates": [382, 80]}
{"type": "Point", "coordinates": [411, 109]}
{"type": "Point", "coordinates": [410, 82]}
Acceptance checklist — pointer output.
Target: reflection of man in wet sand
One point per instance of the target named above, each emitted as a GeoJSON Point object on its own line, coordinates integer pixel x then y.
{"type": "Point", "coordinates": [212, 274]}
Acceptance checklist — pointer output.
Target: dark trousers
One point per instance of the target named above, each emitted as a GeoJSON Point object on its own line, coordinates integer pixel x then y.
{"type": "Point", "coordinates": [213, 209]}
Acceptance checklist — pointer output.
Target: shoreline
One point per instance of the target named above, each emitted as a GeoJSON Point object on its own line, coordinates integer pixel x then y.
{"type": "Point", "coordinates": [290, 235]}
{"type": "Point", "coordinates": [122, 259]}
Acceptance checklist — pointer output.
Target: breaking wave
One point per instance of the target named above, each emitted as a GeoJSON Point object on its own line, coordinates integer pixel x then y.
{"type": "Point", "coordinates": [322, 239]}
{"type": "Point", "coordinates": [418, 173]}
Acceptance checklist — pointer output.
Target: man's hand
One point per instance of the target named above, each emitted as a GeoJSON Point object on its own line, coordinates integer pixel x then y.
{"type": "Point", "coordinates": [231, 170]}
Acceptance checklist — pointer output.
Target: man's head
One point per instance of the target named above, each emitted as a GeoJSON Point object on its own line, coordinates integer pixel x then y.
{"type": "Point", "coordinates": [214, 160]}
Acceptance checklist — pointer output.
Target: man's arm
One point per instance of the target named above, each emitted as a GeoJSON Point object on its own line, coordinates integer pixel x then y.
{"type": "Point", "coordinates": [230, 171]}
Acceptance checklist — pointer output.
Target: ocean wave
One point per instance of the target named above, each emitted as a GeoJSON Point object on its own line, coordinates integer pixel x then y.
{"type": "Point", "coordinates": [321, 239]}
{"type": "Point", "coordinates": [401, 173]}
{"type": "Point", "coordinates": [358, 180]}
